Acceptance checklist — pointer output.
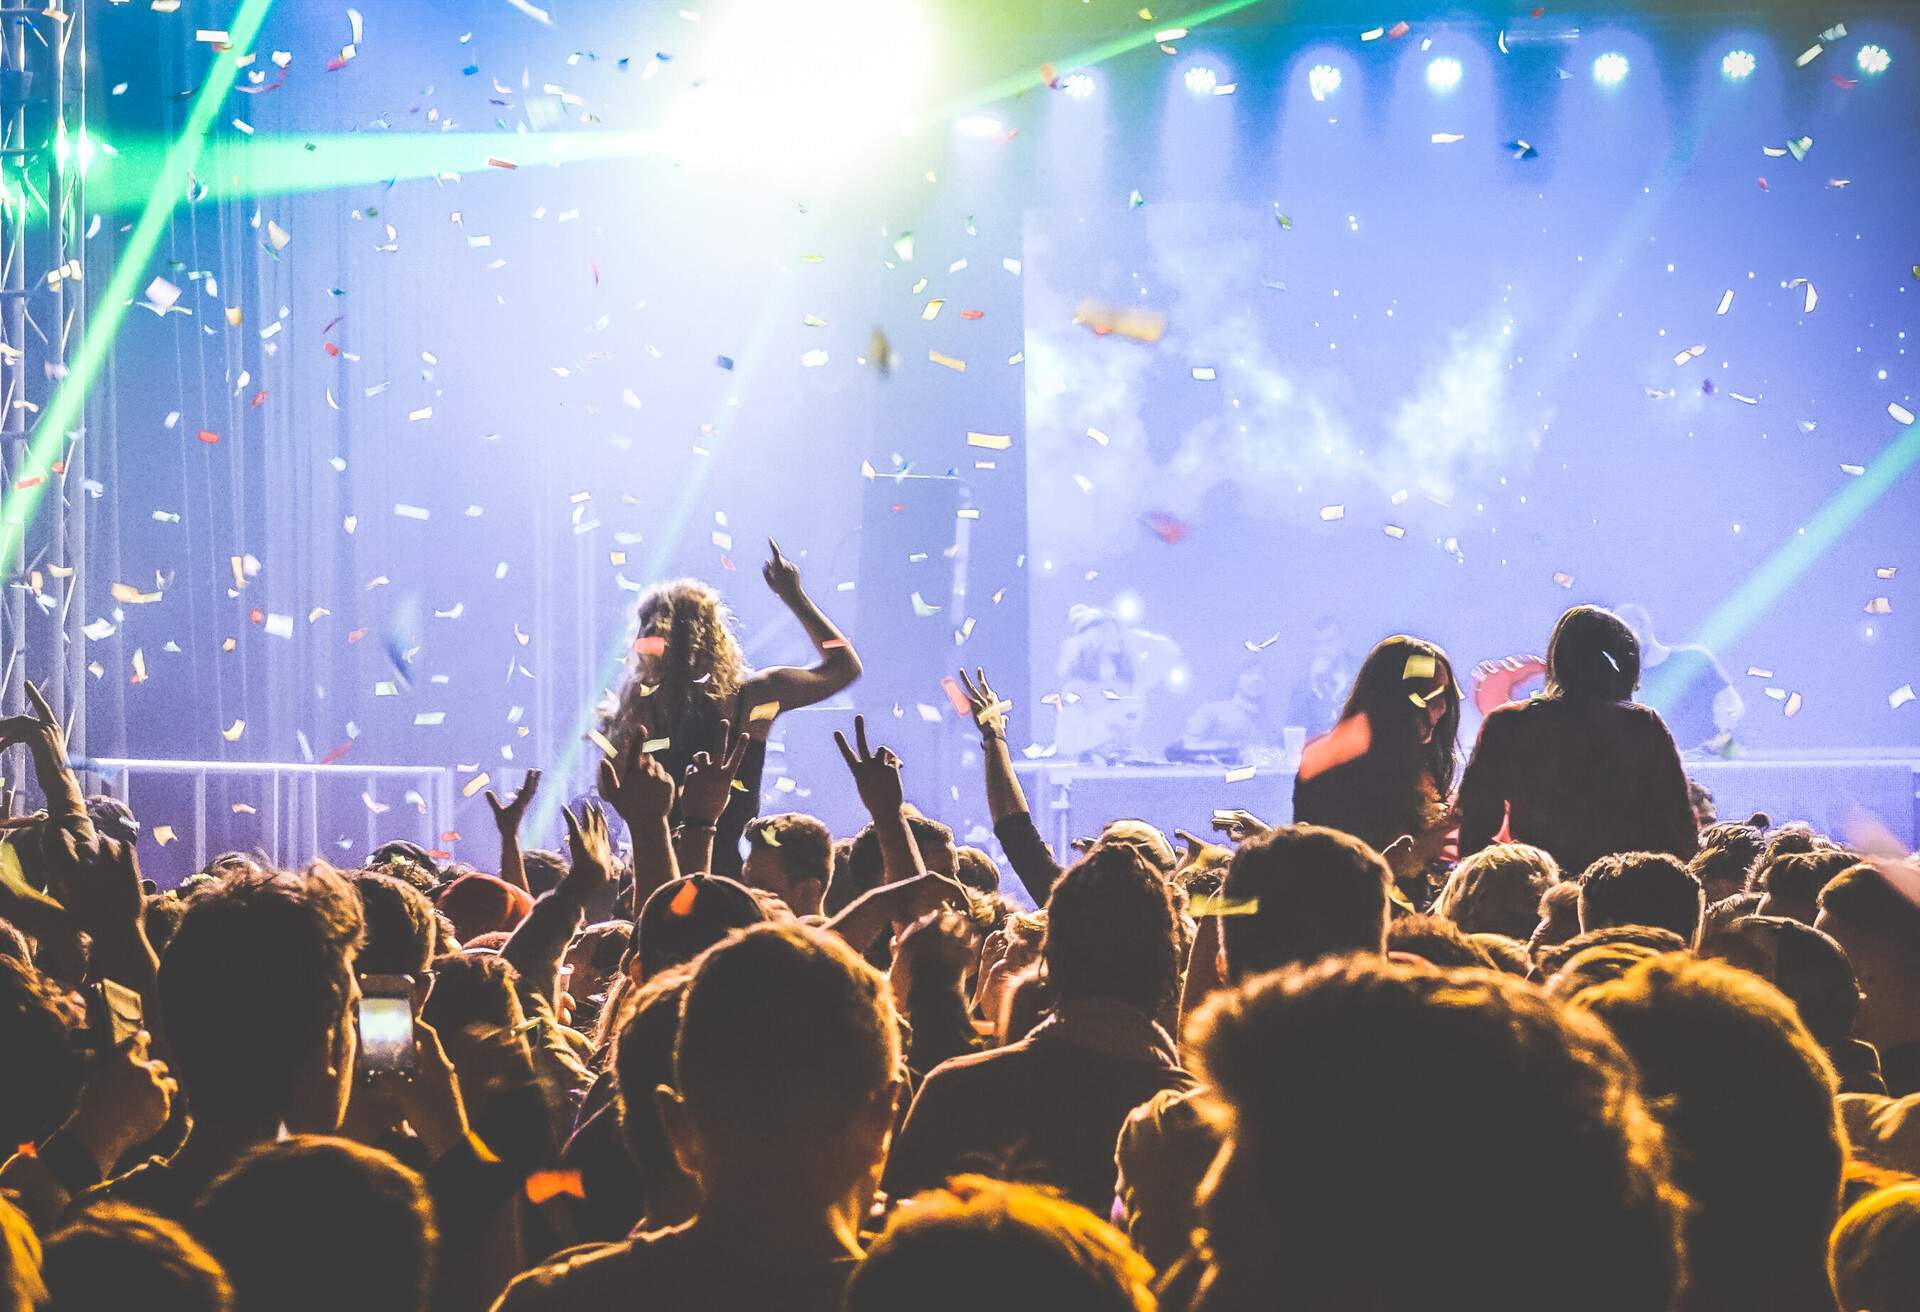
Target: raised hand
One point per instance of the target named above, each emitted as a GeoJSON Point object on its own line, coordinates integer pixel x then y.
{"type": "Point", "coordinates": [935, 949]}
{"type": "Point", "coordinates": [102, 890]}
{"type": "Point", "coordinates": [125, 1101]}
{"type": "Point", "coordinates": [638, 786]}
{"type": "Point", "coordinates": [1198, 850]}
{"type": "Point", "coordinates": [590, 848]}
{"type": "Point", "coordinates": [876, 777]}
{"type": "Point", "coordinates": [40, 730]}
{"type": "Point", "coordinates": [781, 574]}
{"type": "Point", "coordinates": [508, 815]}
{"type": "Point", "coordinates": [708, 785]}
{"type": "Point", "coordinates": [989, 709]}
{"type": "Point", "coordinates": [1239, 825]}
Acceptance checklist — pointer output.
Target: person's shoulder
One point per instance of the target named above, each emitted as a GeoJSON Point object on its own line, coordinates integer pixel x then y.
{"type": "Point", "coordinates": [586, 1278]}
{"type": "Point", "coordinates": [976, 1065]}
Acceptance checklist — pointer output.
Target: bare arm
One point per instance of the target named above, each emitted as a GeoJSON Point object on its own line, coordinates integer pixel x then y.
{"type": "Point", "coordinates": [540, 941]}
{"type": "Point", "coordinates": [877, 777]}
{"type": "Point", "coordinates": [784, 686]}
{"type": "Point", "coordinates": [1005, 797]}
{"type": "Point", "coordinates": [641, 793]}
{"type": "Point", "coordinates": [506, 818]}
{"type": "Point", "coordinates": [704, 795]}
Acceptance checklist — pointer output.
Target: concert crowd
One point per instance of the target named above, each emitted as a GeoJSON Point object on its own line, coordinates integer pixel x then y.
{"type": "Point", "coordinates": [1507, 1024]}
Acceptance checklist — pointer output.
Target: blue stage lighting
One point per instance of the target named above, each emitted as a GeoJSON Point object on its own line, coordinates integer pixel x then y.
{"type": "Point", "coordinates": [1610, 69]}
{"type": "Point", "coordinates": [1201, 80]}
{"type": "Point", "coordinates": [1323, 80]}
{"type": "Point", "coordinates": [1873, 60]}
{"type": "Point", "coordinates": [1444, 74]}
{"type": "Point", "coordinates": [1737, 64]}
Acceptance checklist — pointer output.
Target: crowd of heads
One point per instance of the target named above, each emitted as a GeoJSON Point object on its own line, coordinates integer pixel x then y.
{"type": "Point", "coordinates": [1292, 1068]}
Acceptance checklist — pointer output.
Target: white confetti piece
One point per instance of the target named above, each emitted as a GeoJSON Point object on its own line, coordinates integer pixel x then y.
{"type": "Point", "coordinates": [1899, 412]}
{"type": "Point", "coordinates": [1203, 373]}
{"type": "Point", "coordinates": [1448, 138]}
{"type": "Point", "coordinates": [1792, 708]}
{"type": "Point", "coordinates": [279, 626]}
{"type": "Point", "coordinates": [1098, 436]}
{"type": "Point", "coordinates": [233, 731]}
{"type": "Point", "coordinates": [1726, 301]}
{"type": "Point", "coordinates": [405, 511]}
{"type": "Point", "coordinates": [1900, 696]}
{"type": "Point", "coordinates": [1330, 513]}
{"type": "Point", "coordinates": [424, 412]}
{"type": "Point", "coordinates": [1691, 353]}
{"type": "Point", "coordinates": [1242, 774]}
{"type": "Point", "coordinates": [990, 441]}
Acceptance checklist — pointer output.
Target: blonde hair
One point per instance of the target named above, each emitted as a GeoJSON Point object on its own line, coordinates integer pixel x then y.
{"type": "Point", "coordinates": [700, 660]}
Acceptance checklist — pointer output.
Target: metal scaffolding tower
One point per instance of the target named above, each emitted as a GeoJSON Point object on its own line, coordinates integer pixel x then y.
{"type": "Point", "coordinates": [44, 153]}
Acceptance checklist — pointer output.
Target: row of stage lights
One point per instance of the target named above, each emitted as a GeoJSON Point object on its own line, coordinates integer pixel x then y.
{"type": "Point", "coordinates": [1443, 75]}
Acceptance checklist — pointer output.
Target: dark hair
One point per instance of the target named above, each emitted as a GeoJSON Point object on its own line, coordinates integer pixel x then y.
{"type": "Point", "coordinates": [804, 843]}
{"type": "Point", "coordinates": [1642, 888]}
{"type": "Point", "coordinates": [1386, 690]}
{"type": "Point", "coordinates": [1110, 931]}
{"type": "Point", "coordinates": [473, 988]}
{"type": "Point", "coordinates": [1510, 956]}
{"type": "Point", "coordinates": [1874, 1254]}
{"type": "Point", "coordinates": [1809, 967]}
{"type": "Point", "coordinates": [642, 1061]}
{"type": "Point", "coordinates": [1437, 941]}
{"type": "Point", "coordinates": [1559, 917]}
{"type": "Point", "coordinates": [400, 926]}
{"type": "Point", "coordinates": [544, 869]}
{"type": "Point", "coordinates": [315, 1224]}
{"type": "Point", "coordinates": [977, 870]}
{"type": "Point", "coordinates": [1747, 1097]}
{"type": "Point", "coordinates": [1593, 657]}
{"type": "Point", "coordinates": [39, 1051]}
{"type": "Point", "coordinates": [865, 867]}
{"type": "Point", "coordinates": [108, 1254]}
{"type": "Point", "coordinates": [1863, 897]}
{"type": "Point", "coordinates": [1299, 893]}
{"type": "Point", "coordinates": [979, 1243]}
{"type": "Point", "coordinates": [1338, 1077]}
{"type": "Point", "coordinates": [1792, 880]}
{"type": "Point", "coordinates": [1728, 852]}
{"type": "Point", "coordinates": [784, 1032]}
{"type": "Point", "coordinates": [161, 913]}
{"type": "Point", "coordinates": [1553, 958]}
{"type": "Point", "coordinates": [257, 976]}
{"type": "Point", "coordinates": [685, 917]}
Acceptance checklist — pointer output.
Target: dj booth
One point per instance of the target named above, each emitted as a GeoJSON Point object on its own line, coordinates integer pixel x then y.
{"type": "Point", "coordinates": [1836, 792]}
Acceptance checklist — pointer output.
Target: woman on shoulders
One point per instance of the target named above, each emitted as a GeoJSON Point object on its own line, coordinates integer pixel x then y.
{"type": "Point", "coordinates": [687, 682]}
{"type": "Point", "coordinates": [1581, 770]}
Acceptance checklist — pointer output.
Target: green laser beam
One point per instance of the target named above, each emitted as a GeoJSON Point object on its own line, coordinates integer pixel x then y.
{"type": "Point", "coordinates": [1783, 568]}
{"type": "Point", "coordinates": [22, 498]}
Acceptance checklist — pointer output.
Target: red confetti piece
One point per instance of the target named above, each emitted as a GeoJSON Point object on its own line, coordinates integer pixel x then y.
{"type": "Point", "coordinates": [1165, 527]}
{"type": "Point", "coordinates": [356, 635]}
{"type": "Point", "coordinates": [494, 161]}
{"type": "Point", "coordinates": [682, 904]}
{"type": "Point", "coordinates": [438, 855]}
{"type": "Point", "coordinates": [726, 563]}
{"type": "Point", "coordinates": [259, 398]}
{"type": "Point", "coordinates": [973, 314]}
{"type": "Point", "coordinates": [961, 706]}
{"type": "Point", "coordinates": [337, 753]}
{"type": "Point", "coordinates": [332, 350]}
{"type": "Point", "coordinates": [654, 646]}
{"type": "Point", "coordinates": [335, 64]}
{"type": "Point", "coordinates": [1845, 83]}
{"type": "Point", "coordinates": [60, 467]}
{"type": "Point", "coordinates": [1763, 185]}
{"type": "Point", "coordinates": [211, 439]}
{"type": "Point", "coordinates": [257, 615]}
{"type": "Point", "coordinates": [33, 480]}
{"type": "Point", "coordinates": [1398, 30]}
{"type": "Point", "coordinates": [451, 836]}
{"type": "Point", "coordinates": [1052, 79]}
{"type": "Point", "coordinates": [1539, 10]}
{"type": "Point", "coordinates": [545, 1185]}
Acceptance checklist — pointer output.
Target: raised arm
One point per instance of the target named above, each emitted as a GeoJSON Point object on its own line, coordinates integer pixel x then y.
{"type": "Point", "coordinates": [784, 687]}
{"type": "Point", "coordinates": [1027, 852]}
{"type": "Point", "coordinates": [641, 792]}
{"type": "Point", "coordinates": [506, 818]}
{"type": "Point", "coordinates": [704, 795]}
{"type": "Point", "coordinates": [540, 941]}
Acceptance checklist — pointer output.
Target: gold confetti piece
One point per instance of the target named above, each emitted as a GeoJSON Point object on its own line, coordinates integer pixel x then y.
{"type": "Point", "coordinates": [1215, 904]}
{"type": "Point", "coordinates": [475, 784]}
{"type": "Point", "coordinates": [163, 834]}
{"type": "Point", "coordinates": [1726, 301]}
{"type": "Point", "coordinates": [601, 741]}
{"type": "Point", "coordinates": [129, 595]}
{"type": "Point", "coordinates": [234, 315]}
{"type": "Point", "coordinates": [1691, 353]}
{"type": "Point", "coordinates": [763, 713]}
{"type": "Point", "coordinates": [1132, 322]}
{"type": "Point", "coordinates": [1900, 696]}
{"type": "Point", "coordinates": [652, 745]}
{"type": "Point", "coordinates": [990, 441]}
{"type": "Point", "coordinates": [1886, 571]}
{"type": "Point", "coordinates": [1393, 531]}
{"type": "Point", "coordinates": [1880, 606]}
{"type": "Point", "coordinates": [1203, 373]}
{"type": "Point", "coordinates": [932, 310]}
{"type": "Point", "coordinates": [1564, 579]}
{"type": "Point", "coordinates": [1242, 774]}
{"type": "Point", "coordinates": [1419, 666]}
{"type": "Point", "coordinates": [232, 732]}
{"type": "Point", "coordinates": [1330, 513]}
{"type": "Point", "coordinates": [1792, 707]}
{"type": "Point", "coordinates": [958, 366]}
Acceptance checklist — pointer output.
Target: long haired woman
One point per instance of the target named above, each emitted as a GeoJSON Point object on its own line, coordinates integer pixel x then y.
{"type": "Point", "coordinates": [687, 681]}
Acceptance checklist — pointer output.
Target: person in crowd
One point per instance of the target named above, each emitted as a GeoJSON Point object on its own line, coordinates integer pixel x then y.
{"type": "Point", "coordinates": [1046, 1109]}
{"type": "Point", "coordinates": [1363, 1102]}
{"type": "Point", "coordinates": [1747, 1099]}
{"type": "Point", "coordinates": [1510, 955]}
{"type": "Point", "coordinates": [1812, 970]}
{"type": "Point", "coordinates": [977, 869]}
{"type": "Point", "coordinates": [688, 687]}
{"type": "Point", "coordinates": [865, 867]}
{"type": "Point", "coordinates": [316, 1224]}
{"type": "Point", "coordinates": [402, 936]}
{"type": "Point", "coordinates": [110, 1255]}
{"type": "Point", "coordinates": [1231, 727]}
{"type": "Point", "coordinates": [1497, 890]}
{"type": "Point", "coordinates": [1877, 921]}
{"type": "Point", "coordinates": [790, 856]}
{"type": "Point", "coordinates": [1790, 881]}
{"type": "Point", "coordinates": [1436, 941]}
{"type": "Point", "coordinates": [978, 1242]}
{"type": "Point", "coordinates": [684, 918]}
{"type": "Point", "coordinates": [1559, 916]}
{"type": "Point", "coordinates": [1550, 961]}
{"type": "Point", "coordinates": [483, 904]}
{"type": "Point", "coordinates": [1688, 686]}
{"type": "Point", "coordinates": [1107, 670]}
{"type": "Point", "coordinates": [1581, 771]}
{"type": "Point", "coordinates": [1729, 851]}
{"type": "Point", "coordinates": [1385, 773]}
{"type": "Point", "coordinates": [928, 976]}
{"type": "Point", "coordinates": [1291, 896]}
{"type": "Point", "coordinates": [1316, 701]}
{"type": "Point", "coordinates": [1595, 965]}
{"type": "Point", "coordinates": [1874, 1253]}
{"type": "Point", "coordinates": [786, 1078]}
{"type": "Point", "coordinates": [1642, 888]}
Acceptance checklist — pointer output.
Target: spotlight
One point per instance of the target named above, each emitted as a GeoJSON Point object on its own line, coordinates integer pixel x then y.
{"type": "Point", "coordinates": [1737, 64]}
{"type": "Point", "coordinates": [1323, 80]}
{"type": "Point", "coordinates": [1201, 80]}
{"type": "Point", "coordinates": [1443, 74]}
{"type": "Point", "coordinates": [1873, 60]}
{"type": "Point", "coordinates": [1610, 69]}
{"type": "Point", "coordinates": [1078, 85]}
{"type": "Point", "coordinates": [984, 127]}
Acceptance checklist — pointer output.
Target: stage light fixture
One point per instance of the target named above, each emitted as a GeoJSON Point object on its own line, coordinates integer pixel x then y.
{"type": "Point", "coordinates": [1078, 85]}
{"type": "Point", "coordinates": [1610, 69]}
{"type": "Point", "coordinates": [1323, 80]}
{"type": "Point", "coordinates": [1873, 60]}
{"type": "Point", "coordinates": [1444, 74]}
{"type": "Point", "coordinates": [1201, 80]}
{"type": "Point", "coordinates": [1737, 64]}
{"type": "Point", "coordinates": [981, 127]}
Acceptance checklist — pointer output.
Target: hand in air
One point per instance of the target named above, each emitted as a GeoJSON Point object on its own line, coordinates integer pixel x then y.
{"type": "Point", "coordinates": [708, 785]}
{"type": "Point", "coordinates": [508, 815]}
{"type": "Point", "coordinates": [875, 776]}
{"type": "Point", "coordinates": [638, 787]}
{"type": "Point", "coordinates": [590, 847]}
{"type": "Point", "coordinates": [781, 574]}
{"type": "Point", "coordinates": [1239, 825]}
{"type": "Point", "coordinates": [989, 709]}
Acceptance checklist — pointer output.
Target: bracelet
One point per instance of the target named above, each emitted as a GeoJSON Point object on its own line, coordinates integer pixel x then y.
{"type": "Point", "coordinates": [699, 825]}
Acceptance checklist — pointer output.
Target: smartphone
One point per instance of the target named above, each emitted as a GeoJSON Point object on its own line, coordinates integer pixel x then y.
{"type": "Point", "coordinates": [386, 1025]}
{"type": "Point", "coordinates": [114, 1016]}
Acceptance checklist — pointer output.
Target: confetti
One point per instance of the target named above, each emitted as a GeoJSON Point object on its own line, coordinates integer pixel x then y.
{"type": "Point", "coordinates": [163, 834]}
{"type": "Point", "coordinates": [1329, 513]}
{"type": "Point", "coordinates": [1899, 412]}
{"type": "Point", "coordinates": [1792, 708]}
{"type": "Point", "coordinates": [233, 731]}
{"type": "Point", "coordinates": [1133, 323]}
{"type": "Point", "coordinates": [652, 745]}
{"type": "Point", "coordinates": [931, 311]}
{"type": "Point", "coordinates": [1726, 301]}
{"type": "Point", "coordinates": [924, 608]}
{"type": "Point", "coordinates": [958, 366]}
{"type": "Point", "coordinates": [1564, 579]}
{"type": "Point", "coordinates": [1242, 774]}
{"type": "Point", "coordinates": [1522, 150]}
{"type": "Point", "coordinates": [990, 441]}
{"type": "Point", "coordinates": [1168, 529]}
{"type": "Point", "coordinates": [1448, 138]}
{"type": "Point", "coordinates": [1135, 200]}
{"type": "Point", "coordinates": [1880, 606]}
{"type": "Point", "coordinates": [1203, 373]}
{"type": "Point", "coordinates": [1691, 353]}
{"type": "Point", "coordinates": [1812, 297]}
{"type": "Point", "coordinates": [1807, 56]}
{"type": "Point", "coordinates": [1098, 436]}
{"type": "Point", "coordinates": [475, 784]}
{"type": "Point", "coordinates": [1900, 696]}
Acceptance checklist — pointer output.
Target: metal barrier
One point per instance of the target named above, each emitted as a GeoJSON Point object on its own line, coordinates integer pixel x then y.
{"type": "Point", "coordinates": [289, 803]}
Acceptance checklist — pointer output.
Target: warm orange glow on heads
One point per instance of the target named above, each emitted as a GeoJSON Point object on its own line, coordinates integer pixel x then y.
{"type": "Point", "coordinates": [1348, 741]}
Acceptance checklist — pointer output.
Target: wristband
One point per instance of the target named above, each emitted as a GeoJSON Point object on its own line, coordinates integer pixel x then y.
{"type": "Point", "coordinates": [699, 826]}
